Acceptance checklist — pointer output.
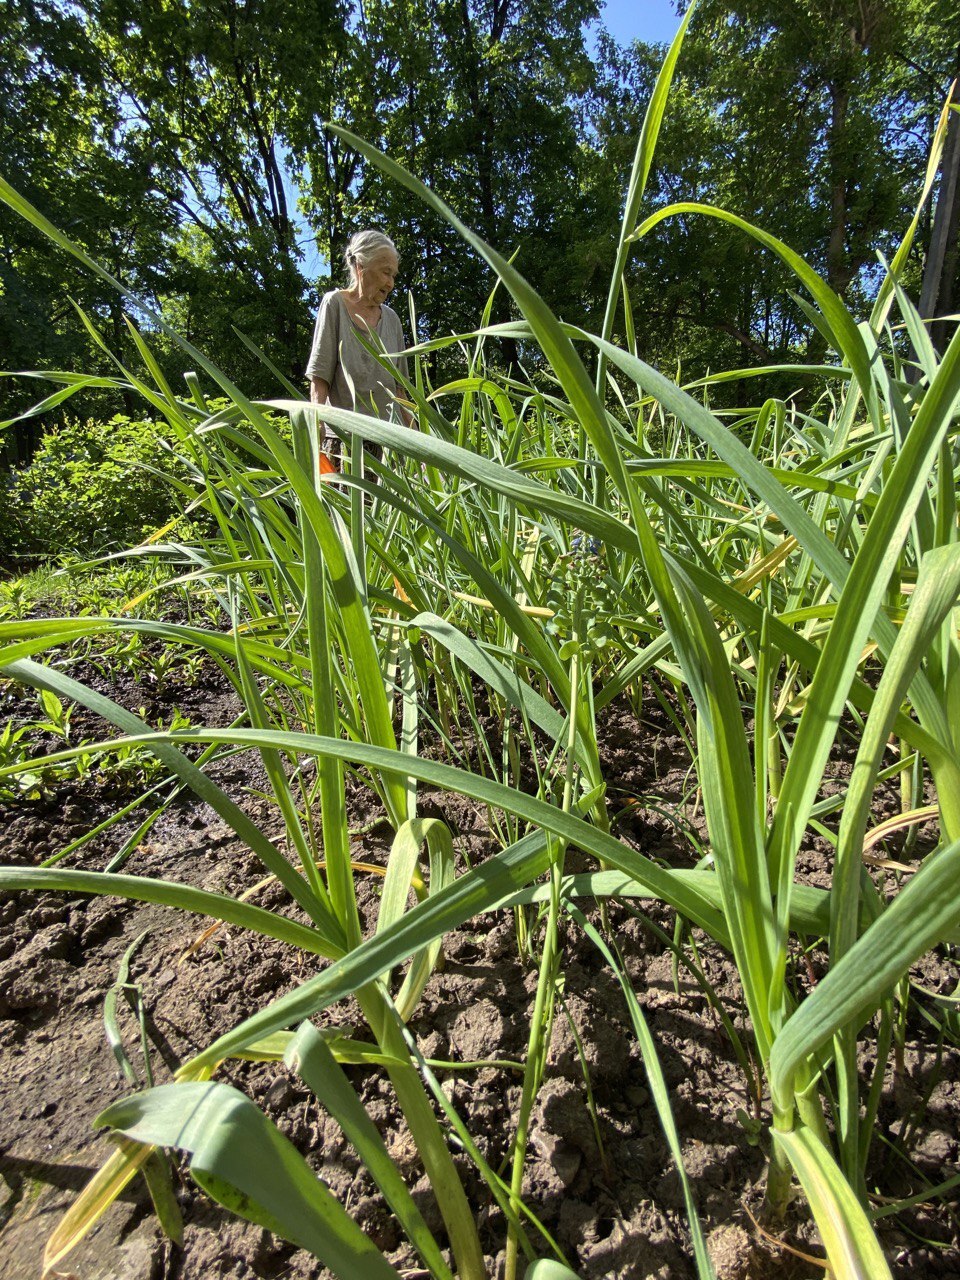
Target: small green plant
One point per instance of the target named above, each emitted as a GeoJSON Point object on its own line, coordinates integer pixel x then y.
{"type": "Point", "coordinates": [57, 715]}
{"type": "Point", "coordinates": [24, 743]}
{"type": "Point", "coordinates": [24, 740]}
{"type": "Point", "coordinates": [14, 599]}
{"type": "Point", "coordinates": [21, 783]}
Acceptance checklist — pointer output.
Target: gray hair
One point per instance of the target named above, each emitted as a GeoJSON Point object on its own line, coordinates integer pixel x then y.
{"type": "Point", "coordinates": [362, 248]}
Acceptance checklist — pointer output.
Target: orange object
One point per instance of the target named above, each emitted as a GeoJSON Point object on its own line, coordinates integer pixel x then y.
{"type": "Point", "coordinates": [326, 466]}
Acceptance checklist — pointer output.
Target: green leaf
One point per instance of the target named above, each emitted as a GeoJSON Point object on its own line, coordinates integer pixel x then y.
{"type": "Point", "coordinates": [309, 1055]}
{"type": "Point", "coordinates": [858, 615]}
{"type": "Point", "coordinates": [658, 1090]}
{"type": "Point", "coordinates": [726, 776]}
{"type": "Point", "coordinates": [844, 334]}
{"type": "Point", "coordinates": [882, 304]}
{"type": "Point", "coordinates": [241, 1159]}
{"type": "Point", "coordinates": [496, 676]}
{"type": "Point", "coordinates": [674, 887]}
{"type": "Point", "coordinates": [167, 893]}
{"type": "Point", "coordinates": [401, 864]}
{"type": "Point", "coordinates": [845, 1229]}
{"type": "Point", "coordinates": [916, 920]}
{"type": "Point", "coordinates": [159, 1176]}
{"type": "Point", "coordinates": [29, 672]}
{"type": "Point", "coordinates": [935, 594]}
{"type": "Point", "coordinates": [549, 1269]}
{"type": "Point", "coordinates": [640, 172]}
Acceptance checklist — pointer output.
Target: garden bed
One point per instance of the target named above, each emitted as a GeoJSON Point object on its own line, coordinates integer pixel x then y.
{"type": "Point", "coordinates": [604, 1185]}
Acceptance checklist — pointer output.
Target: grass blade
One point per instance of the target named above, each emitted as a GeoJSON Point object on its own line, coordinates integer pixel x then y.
{"type": "Point", "coordinates": [309, 1055]}
{"type": "Point", "coordinates": [167, 893]}
{"type": "Point", "coordinates": [658, 1090]}
{"type": "Point", "coordinates": [916, 920]}
{"type": "Point", "coordinates": [243, 1161]}
{"type": "Point", "coordinates": [845, 1229]}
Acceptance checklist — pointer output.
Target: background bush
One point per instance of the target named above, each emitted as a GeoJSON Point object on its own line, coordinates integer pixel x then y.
{"type": "Point", "coordinates": [90, 487]}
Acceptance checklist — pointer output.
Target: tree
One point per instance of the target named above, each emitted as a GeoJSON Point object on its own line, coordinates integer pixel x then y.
{"type": "Point", "coordinates": [59, 147]}
{"type": "Point", "coordinates": [810, 119]}
{"type": "Point", "coordinates": [218, 90]}
{"type": "Point", "coordinates": [173, 140]}
{"type": "Point", "coordinates": [480, 99]}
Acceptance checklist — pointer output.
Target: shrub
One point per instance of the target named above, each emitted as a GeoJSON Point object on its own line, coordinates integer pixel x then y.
{"type": "Point", "coordinates": [91, 486]}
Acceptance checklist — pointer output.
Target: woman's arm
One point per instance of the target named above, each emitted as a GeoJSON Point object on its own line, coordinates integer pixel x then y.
{"type": "Point", "coordinates": [322, 365]}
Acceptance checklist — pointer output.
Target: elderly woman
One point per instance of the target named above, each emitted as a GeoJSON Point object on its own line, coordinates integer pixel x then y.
{"type": "Point", "coordinates": [341, 370]}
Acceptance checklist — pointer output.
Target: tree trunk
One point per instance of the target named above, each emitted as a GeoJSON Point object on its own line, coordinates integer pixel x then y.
{"type": "Point", "coordinates": [484, 141]}
{"type": "Point", "coordinates": [838, 275]}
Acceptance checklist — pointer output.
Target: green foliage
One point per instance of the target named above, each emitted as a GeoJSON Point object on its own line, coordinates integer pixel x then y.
{"type": "Point", "coordinates": [189, 156]}
{"type": "Point", "coordinates": [90, 487]}
{"type": "Point", "coordinates": [27, 734]}
{"type": "Point", "coordinates": [751, 578]}
{"type": "Point", "coordinates": [65, 140]}
{"type": "Point", "coordinates": [812, 121]}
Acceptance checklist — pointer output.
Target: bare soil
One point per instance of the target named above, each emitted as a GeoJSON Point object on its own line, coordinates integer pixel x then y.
{"type": "Point", "coordinates": [603, 1184]}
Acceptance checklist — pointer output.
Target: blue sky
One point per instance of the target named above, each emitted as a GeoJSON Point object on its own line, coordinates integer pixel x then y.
{"type": "Point", "coordinates": [655, 21]}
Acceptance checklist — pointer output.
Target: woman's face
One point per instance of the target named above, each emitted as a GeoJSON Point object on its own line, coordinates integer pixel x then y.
{"type": "Point", "coordinates": [377, 278]}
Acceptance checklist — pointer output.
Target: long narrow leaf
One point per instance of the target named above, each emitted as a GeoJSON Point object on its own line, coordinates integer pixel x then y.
{"type": "Point", "coordinates": [848, 1237]}
{"type": "Point", "coordinates": [917, 919]}
{"type": "Point", "coordinates": [309, 1055]}
{"type": "Point", "coordinates": [241, 1159]}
